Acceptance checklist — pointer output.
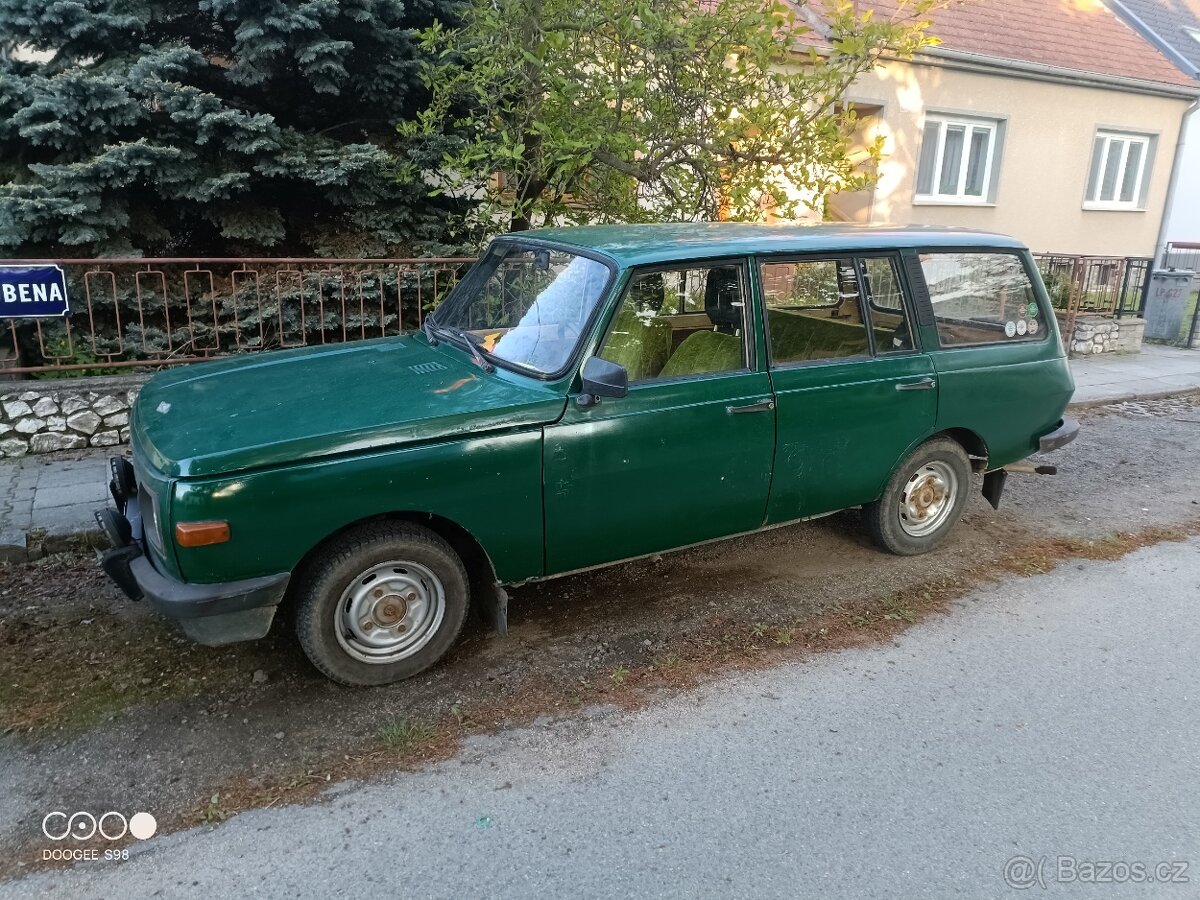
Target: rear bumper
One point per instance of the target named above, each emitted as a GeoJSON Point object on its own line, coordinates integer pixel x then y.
{"type": "Point", "coordinates": [1067, 431]}
{"type": "Point", "coordinates": [212, 614]}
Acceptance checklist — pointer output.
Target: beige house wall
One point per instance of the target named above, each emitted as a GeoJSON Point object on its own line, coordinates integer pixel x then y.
{"type": "Point", "coordinates": [1046, 155]}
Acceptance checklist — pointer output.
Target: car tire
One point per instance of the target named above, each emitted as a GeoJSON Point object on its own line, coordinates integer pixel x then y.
{"type": "Point", "coordinates": [923, 499]}
{"type": "Point", "coordinates": [381, 603]}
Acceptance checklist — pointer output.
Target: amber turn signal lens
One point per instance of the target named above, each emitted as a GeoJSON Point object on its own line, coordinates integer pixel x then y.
{"type": "Point", "coordinates": [201, 534]}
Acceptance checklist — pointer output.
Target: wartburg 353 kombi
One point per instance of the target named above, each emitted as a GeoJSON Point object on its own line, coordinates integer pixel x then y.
{"type": "Point", "coordinates": [584, 396]}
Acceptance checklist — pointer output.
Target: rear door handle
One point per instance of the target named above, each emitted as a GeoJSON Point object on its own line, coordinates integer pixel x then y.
{"type": "Point", "coordinates": [760, 406]}
{"type": "Point", "coordinates": [925, 384]}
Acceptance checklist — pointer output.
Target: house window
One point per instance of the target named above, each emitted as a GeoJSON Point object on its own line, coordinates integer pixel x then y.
{"type": "Point", "coordinates": [958, 157]}
{"type": "Point", "coordinates": [1118, 174]}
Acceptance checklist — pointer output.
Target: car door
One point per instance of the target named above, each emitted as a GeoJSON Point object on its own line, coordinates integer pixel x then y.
{"type": "Point", "coordinates": [686, 455]}
{"type": "Point", "coordinates": [854, 390]}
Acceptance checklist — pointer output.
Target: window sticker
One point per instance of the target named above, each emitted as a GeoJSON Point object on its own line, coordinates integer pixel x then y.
{"type": "Point", "coordinates": [1010, 328]}
{"type": "Point", "coordinates": [1033, 326]}
{"type": "Point", "coordinates": [1033, 310]}
{"type": "Point", "coordinates": [1022, 327]}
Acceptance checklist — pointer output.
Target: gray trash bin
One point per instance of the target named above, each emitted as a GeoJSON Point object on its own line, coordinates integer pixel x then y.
{"type": "Point", "coordinates": [1166, 304]}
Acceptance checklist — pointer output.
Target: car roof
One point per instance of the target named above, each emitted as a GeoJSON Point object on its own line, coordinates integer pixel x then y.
{"type": "Point", "coordinates": [638, 245]}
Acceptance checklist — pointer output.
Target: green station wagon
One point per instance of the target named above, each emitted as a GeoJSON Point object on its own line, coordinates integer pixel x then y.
{"type": "Point", "coordinates": [584, 396]}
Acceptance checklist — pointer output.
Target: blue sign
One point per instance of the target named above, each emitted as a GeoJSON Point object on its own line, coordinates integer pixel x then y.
{"type": "Point", "coordinates": [27, 291]}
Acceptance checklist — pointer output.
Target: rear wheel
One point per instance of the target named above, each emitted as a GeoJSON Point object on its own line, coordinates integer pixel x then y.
{"type": "Point", "coordinates": [383, 602]}
{"type": "Point", "coordinates": [923, 499]}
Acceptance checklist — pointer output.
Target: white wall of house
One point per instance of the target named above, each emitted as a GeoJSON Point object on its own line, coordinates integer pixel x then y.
{"type": "Point", "coordinates": [1045, 162]}
{"type": "Point", "coordinates": [1183, 222]}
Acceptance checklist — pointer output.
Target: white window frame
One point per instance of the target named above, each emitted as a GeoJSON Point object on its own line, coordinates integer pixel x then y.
{"type": "Point", "coordinates": [1100, 165]}
{"type": "Point", "coordinates": [970, 126]}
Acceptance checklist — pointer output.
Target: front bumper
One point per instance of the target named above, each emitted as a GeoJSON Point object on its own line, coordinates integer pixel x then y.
{"type": "Point", "coordinates": [211, 614]}
{"type": "Point", "coordinates": [1067, 431]}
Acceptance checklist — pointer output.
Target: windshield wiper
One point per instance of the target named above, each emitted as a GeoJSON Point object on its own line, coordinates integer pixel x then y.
{"type": "Point", "coordinates": [430, 331]}
{"type": "Point", "coordinates": [476, 354]}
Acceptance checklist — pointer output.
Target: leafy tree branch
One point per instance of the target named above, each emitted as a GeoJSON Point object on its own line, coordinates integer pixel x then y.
{"type": "Point", "coordinates": [549, 111]}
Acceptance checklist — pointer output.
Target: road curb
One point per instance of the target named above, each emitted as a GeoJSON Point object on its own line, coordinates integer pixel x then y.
{"type": "Point", "coordinates": [1126, 397]}
{"type": "Point", "coordinates": [39, 545]}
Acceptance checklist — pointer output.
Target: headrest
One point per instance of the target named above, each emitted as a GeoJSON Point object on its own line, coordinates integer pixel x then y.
{"type": "Point", "coordinates": [723, 296]}
{"type": "Point", "coordinates": [647, 292]}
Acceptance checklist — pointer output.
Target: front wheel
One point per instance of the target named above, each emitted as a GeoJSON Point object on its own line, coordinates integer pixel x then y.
{"type": "Point", "coordinates": [923, 499]}
{"type": "Point", "coordinates": [383, 602]}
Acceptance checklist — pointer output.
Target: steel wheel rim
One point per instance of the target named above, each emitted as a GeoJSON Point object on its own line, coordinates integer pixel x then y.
{"type": "Point", "coordinates": [928, 498]}
{"type": "Point", "coordinates": [389, 612]}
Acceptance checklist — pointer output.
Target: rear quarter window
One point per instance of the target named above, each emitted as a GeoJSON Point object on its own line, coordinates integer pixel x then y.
{"type": "Point", "coordinates": [982, 298]}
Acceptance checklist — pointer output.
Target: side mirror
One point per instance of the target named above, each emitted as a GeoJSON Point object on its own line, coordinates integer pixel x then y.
{"type": "Point", "coordinates": [602, 378]}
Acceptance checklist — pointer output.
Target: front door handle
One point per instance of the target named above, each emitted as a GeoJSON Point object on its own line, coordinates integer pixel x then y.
{"type": "Point", "coordinates": [760, 406]}
{"type": "Point", "coordinates": [925, 384]}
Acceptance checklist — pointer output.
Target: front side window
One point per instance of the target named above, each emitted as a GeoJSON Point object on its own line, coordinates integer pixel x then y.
{"type": "Point", "coordinates": [526, 305]}
{"type": "Point", "coordinates": [957, 159]}
{"type": "Point", "coordinates": [681, 322]}
{"type": "Point", "coordinates": [1118, 175]}
{"type": "Point", "coordinates": [982, 298]}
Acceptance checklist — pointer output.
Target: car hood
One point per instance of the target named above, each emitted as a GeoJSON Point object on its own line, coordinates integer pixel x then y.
{"type": "Point", "coordinates": [273, 408]}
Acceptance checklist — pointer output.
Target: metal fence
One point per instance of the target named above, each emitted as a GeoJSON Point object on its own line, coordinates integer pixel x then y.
{"type": "Point", "coordinates": [144, 313]}
{"type": "Point", "coordinates": [1095, 285]}
{"type": "Point", "coordinates": [1181, 256]}
{"type": "Point", "coordinates": [132, 313]}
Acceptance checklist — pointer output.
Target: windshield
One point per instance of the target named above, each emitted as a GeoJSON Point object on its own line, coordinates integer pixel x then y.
{"type": "Point", "coordinates": [526, 305]}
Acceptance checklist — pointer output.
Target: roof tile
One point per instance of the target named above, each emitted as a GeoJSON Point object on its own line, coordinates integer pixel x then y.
{"type": "Point", "coordinates": [1176, 22]}
{"type": "Point", "coordinates": [1080, 35]}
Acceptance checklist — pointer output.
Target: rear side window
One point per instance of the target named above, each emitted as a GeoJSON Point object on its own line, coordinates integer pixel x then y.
{"type": "Point", "coordinates": [981, 298]}
{"type": "Point", "coordinates": [813, 311]}
{"type": "Point", "coordinates": [885, 300]}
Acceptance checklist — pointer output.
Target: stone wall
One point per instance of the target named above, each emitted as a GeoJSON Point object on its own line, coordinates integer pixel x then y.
{"type": "Point", "coordinates": [40, 416]}
{"type": "Point", "coordinates": [1098, 334]}
{"type": "Point", "coordinates": [1129, 339]}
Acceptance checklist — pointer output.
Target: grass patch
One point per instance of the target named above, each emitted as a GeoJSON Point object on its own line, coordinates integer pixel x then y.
{"type": "Point", "coordinates": [404, 734]}
{"type": "Point", "coordinates": [213, 812]}
{"type": "Point", "coordinates": [668, 662]}
{"type": "Point", "coordinates": [896, 609]}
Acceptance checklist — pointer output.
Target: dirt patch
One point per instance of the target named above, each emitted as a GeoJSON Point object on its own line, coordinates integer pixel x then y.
{"type": "Point", "coordinates": [107, 708]}
{"type": "Point", "coordinates": [75, 653]}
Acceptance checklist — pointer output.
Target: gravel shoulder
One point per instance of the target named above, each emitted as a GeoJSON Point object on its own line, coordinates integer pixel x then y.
{"type": "Point", "coordinates": [102, 705]}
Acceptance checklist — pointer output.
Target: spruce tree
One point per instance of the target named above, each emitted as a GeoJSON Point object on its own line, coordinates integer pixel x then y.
{"type": "Point", "coordinates": [212, 127]}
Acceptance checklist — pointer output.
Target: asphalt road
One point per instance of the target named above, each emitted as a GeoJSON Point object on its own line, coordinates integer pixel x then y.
{"type": "Point", "coordinates": [1049, 717]}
